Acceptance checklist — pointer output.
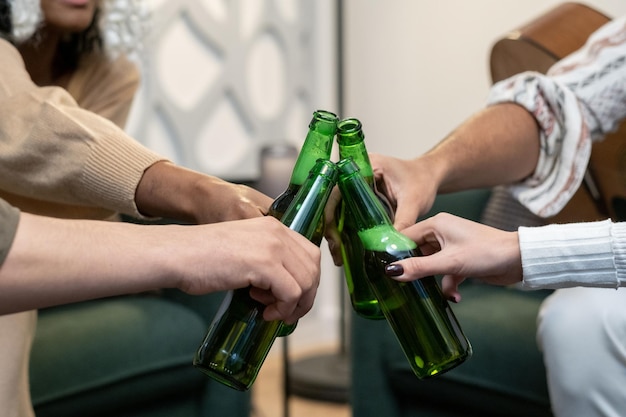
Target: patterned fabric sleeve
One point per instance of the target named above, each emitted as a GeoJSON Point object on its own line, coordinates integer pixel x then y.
{"type": "Point", "coordinates": [580, 99]}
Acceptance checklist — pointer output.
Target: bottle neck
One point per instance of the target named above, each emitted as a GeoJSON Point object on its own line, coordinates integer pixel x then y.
{"type": "Point", "coordinates": [318, 144]}
{"type": "Point", "coordinates": [351, 141]}
{"type": "Point", "coordinates": [360, 198]}
{"type": "Point", "coordinates": [357, 150]}
{"type": "Point", "coordinates": [373, 225]}
{"type": "Point", "coordinates": [307, 208]}
{"type": "Point", "coordinates": [352, 145]}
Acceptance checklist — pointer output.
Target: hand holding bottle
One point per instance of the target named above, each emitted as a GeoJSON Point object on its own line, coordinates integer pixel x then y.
{"type": "Point", "coordinates": [282, 266]}
{"type": "Point", "coordinates": [241, 334]}
{"type": "Point", "coordinates": [317, 146]}
{"type": "Point", "coordinates": [451, 249]}
{"type": "Point", "coordinates": [420, 317]}
{"type": "Point", "coordinates": [410, 187]}
{"type": "Point", "coordinates": [104, 259]}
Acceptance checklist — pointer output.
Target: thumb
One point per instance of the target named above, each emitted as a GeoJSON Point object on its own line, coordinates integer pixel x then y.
{"type": "Point", "coordinates": [404, 216]}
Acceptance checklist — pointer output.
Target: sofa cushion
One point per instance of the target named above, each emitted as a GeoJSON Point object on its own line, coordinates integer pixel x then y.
{"type": "Point", "coordinates": [102, 356]}
{"type": "Point", "coordinates": [504, 376]}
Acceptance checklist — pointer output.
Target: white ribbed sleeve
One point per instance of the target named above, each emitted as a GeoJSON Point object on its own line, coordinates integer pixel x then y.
{"type": "Point", "coordinates": [578, 254]}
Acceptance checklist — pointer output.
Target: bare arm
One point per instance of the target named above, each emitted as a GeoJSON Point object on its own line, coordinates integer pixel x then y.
{"type": "Point", "coordinates": [497, 145]}
{"type": "Point", "coordinates": [168, 190]}
{"type": "Point", "coordinates": [56, 261]}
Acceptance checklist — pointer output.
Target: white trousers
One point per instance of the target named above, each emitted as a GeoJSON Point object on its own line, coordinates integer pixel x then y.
{"type": "Point", "coordinates": [582, 333]}
{"type": "Point", "coordinates": [16, 336]}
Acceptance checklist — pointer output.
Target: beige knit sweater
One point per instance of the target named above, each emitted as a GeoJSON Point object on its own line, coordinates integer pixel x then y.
{"type": "Point", "coordinates": [62, 152]}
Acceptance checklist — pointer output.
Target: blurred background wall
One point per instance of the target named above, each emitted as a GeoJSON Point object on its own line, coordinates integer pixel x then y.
{"type": "Point", "coordinates": [415, 69]}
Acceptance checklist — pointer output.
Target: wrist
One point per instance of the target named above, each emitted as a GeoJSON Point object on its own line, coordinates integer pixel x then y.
{"type": "Point", "coordinates": [168, 254]}
{"type": "Point", "coordinates": [167, 190]}
{"type": "Point", "coordinates": [513, 253]}
{"type": "Point", "coordinates": [437, 168]}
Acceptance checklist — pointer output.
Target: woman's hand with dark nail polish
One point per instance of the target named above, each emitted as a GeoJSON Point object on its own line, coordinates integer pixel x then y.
{"type": "Point", "coordinates": [394, 270]}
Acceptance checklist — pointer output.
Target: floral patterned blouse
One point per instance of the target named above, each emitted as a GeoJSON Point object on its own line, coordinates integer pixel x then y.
{"type": "Point", "coordinates": [579, 100]}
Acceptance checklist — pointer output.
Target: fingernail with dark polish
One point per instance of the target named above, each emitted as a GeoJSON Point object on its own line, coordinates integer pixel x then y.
{"type": "Point", "coordinates": [453, 299]}
{"type": "Point", "coordinates": [394, 270]}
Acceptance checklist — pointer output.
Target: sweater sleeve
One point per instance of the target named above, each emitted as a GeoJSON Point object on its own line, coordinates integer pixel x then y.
{"type": "Point", "coordinates": [9, 218]}
{"type": "Point", "coordinates": [577, 254]}
{"type": "Point", "coordinates": [54, 150]}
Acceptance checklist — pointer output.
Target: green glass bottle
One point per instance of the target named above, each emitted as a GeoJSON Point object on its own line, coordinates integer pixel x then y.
{"type": "Point", "coordinates": [318, 144]}
{"type": "Point", "coordinates": [417, 311]}
{"type": "Point", "coordinates": [238, 339]}
{"type": "Point", "coordinates": [351, 141]}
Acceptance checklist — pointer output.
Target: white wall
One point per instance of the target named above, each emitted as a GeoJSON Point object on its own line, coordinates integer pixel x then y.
{"type": "Point", "coordinates": [416, 69]}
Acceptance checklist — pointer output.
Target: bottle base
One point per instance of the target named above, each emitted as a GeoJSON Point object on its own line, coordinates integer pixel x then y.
{"type": "Point", "coordinates": [368, 310]}
{"type": "Point", "coordinates": [222, 378]}
{"type": "Point", "coordinates": [442, 368]}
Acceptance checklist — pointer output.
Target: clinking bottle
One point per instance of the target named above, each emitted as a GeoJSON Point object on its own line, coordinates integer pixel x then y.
{"type": "Point", "coordinates": [239, 339]}
{"type": "Point", "coordinates": [318, 144]}
{"type": "Point", "coordinates": [351, 141]}
{"type": "Point", "coordinates": [423, 322]}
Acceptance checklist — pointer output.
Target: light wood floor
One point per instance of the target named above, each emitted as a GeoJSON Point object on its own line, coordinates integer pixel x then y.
{"type": "Point", "coordinates": [268, 399]}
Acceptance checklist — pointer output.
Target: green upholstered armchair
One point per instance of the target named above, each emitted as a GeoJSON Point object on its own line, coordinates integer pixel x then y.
{"type": "Point", "coordinates": [504, 377]}
{"type": "Point", "coordinates": [128, 356]}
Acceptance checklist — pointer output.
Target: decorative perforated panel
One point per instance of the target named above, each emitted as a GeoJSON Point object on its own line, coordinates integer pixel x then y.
{"type": "Point", "coordinates": [222, 79]}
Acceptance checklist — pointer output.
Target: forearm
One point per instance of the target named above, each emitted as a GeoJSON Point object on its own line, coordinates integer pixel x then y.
{"type": "Point", "coordinates": [170, 191]}
{"type": "Point", "coordinates": [59, 261]}
{"type": "Point", "coordinates": [497, 145]}
{"type": "Point", "coordinates": [166, 190]}
{"type": "Point", "coordinates": [54, 261]}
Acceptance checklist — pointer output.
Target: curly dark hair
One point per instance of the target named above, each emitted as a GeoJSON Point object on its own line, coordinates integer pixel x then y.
{"type": "Point", "coordinates": [6, 27]}
{"type": "Point", "coordinates": [79, 44]}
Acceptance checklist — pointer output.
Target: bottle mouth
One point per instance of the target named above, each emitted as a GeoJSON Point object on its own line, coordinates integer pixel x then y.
{"type": "Point", "coordinates": [349, 132]}
{"type": "Point", "coordinates": [327, 168]}
{"type": "Point", "coordinates": [350, 125]}
{"type": "Point", "coordinates": [347, 166]}
{"type": "Point", "coordinates": [325, 115]}
{"type": "Point", "coordinates": [325, 121]}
